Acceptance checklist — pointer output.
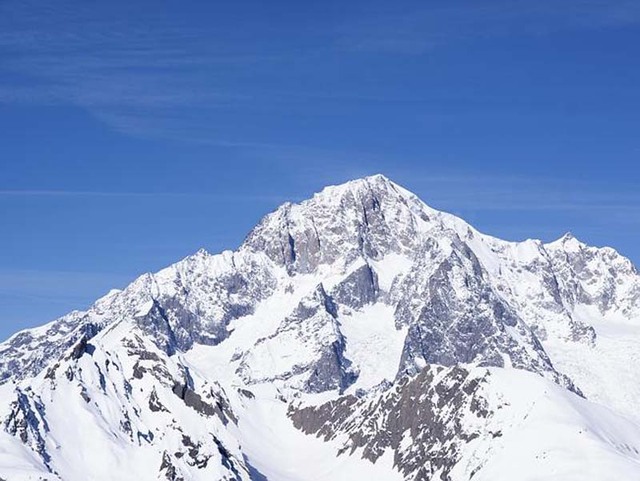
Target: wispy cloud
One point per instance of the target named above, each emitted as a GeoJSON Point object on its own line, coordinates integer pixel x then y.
{"type": "Point", "coordinates": [80, 193]}
{"type": "Point", "coordinates": [420, 28]}
{"type": "Point", "coordinates": [163, 77]}
{"type": "Point", "coordinates": [58, 286]}
{"type": "Point", "coordinates": [467, 193]}
{"type": "Point", "coordinates": [485, 192]}
{"type": "Point", "coordinates": [31, 297]}
{"type": "Point", "coordinates": [127, 74]}
{"type": "Point", "coordinates": [210, 197]}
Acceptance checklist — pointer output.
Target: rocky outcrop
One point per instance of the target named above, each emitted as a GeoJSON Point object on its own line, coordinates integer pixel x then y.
{"type": "Point", "coordinates": [310, 347]}
{"type": "Point", "coordinates": [425, 421]}
{"type": "Point", "coordinates": [454, 316]}
{"type": "Point", "coordinates": [368, 218]}
{"type": "Point", "coordinates": [358, 289]}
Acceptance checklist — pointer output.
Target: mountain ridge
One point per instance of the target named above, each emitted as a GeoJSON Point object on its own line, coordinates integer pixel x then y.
{"type": "Point", "coordinates": [353, 292]}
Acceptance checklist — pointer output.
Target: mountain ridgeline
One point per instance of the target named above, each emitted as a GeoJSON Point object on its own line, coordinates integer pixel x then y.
{"type": "Point", "coordinates": [356, 334]}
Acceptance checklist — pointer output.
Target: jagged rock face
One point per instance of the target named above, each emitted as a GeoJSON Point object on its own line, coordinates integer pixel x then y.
{"type": "Point", "coordinates": [191, 301]}
{"type": "Point", "coordinates": [425, 422]}
{"type": "Point", "coordinates": [195, 300]}
{"type": "Point", "coordinates": [28, 352]}
{"type": "Point", "coordinates": [369, 219]}
{"type": "Point", "coordinates": [595, 277]}
{"type": "Point", "coordinates": [27, 421]}
{"type": "Point", "coordinates": [138, 398]}
{"type": "Point", "coordinates": [453, 424]}
{"type": "Point", "coordinates": [309, 347]}
{"type": "Point", "coordinates": [357, 289]}
{"type": "Point", "coordinates": [454, 316]}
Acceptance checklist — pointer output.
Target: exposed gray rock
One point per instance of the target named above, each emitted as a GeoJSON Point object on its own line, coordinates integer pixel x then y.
{"type": "Point", "coordinates": [29, 352]}
{"type": "Point", "coordinates": [358, 289]}
{"type": "Point", "coordinates": [597, 277]}
{"type": "Point", "coordinates": [454, 316]}
{"type": "Point", "coordinates": [28, 422]}
{"type": "Point", "coordinates": [313, 325]}
{"type": "Point", "coordinates": [154, 403]}
{"type": "Point", "coordinates": [422, 420]}
{"type": "Point", "coordinates": [168, 469]}
{"type": "Point", "coordinates": [367, 218]}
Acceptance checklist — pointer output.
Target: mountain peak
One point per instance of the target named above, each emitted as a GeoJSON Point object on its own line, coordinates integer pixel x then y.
{"type": "Point", "coordinates": [568, 242]}
{"type": "Point", "coordinates": [363, 218]}
{"type": "Point", "coordinates": [378, 180]}
{"type": "Point", "coordinates": [368, 179]}
{"type": "Point", "coordinates": [378, 183]}
{"type": "Point", "coordinates": [374, 178]}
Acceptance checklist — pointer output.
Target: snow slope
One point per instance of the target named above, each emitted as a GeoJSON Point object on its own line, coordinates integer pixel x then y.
{"type": "Point", "coordinates": [483, 424]}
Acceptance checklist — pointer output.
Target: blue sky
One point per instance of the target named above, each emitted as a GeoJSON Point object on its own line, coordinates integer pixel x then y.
{"type": "Point", "coordinates": [134, 133]}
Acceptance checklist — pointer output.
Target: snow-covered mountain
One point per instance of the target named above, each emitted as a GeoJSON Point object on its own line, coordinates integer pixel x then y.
{"type": "Point", "coordinates": [359, 334]}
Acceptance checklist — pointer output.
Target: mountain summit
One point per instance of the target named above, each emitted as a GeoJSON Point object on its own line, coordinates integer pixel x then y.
{"type": "Point", "coordinates": [359, 334]}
